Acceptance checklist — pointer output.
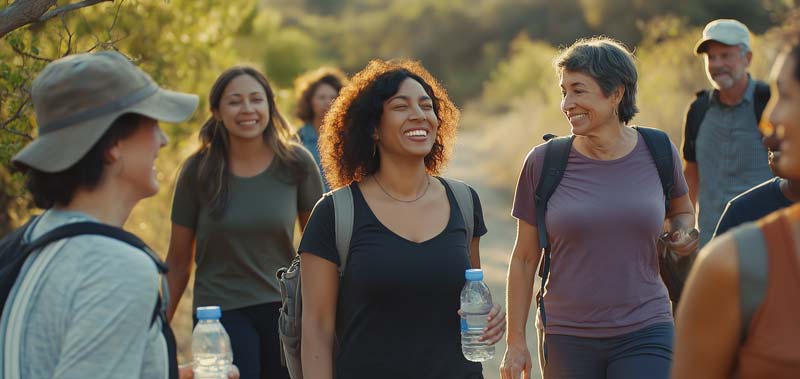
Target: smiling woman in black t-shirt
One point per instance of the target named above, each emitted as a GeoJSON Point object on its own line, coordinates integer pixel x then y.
{"type": "Point", "coordinates": [394, 312]}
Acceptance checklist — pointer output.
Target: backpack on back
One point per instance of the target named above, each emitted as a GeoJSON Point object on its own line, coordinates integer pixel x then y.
{"type": "Point", "coordinates": [289, 278]}
{"type": "Point", "coordinates": [673, 269]}
{"type": "Point", "coordinates": [15, 250]}
{"type": "Point", "coordinates": [697, 111]}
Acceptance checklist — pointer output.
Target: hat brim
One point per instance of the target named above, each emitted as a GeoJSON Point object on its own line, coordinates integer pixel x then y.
{"type": "Point", "coordinates": [60, 149]}
{"type": "Point", "coordinates": [701, 45]}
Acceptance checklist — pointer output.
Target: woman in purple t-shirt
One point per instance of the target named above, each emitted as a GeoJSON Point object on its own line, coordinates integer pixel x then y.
{"type": "Point", "coordinates": [608, 312]}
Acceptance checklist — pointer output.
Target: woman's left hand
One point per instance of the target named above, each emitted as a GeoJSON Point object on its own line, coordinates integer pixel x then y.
{"type": "Point", "coordinates": [495, 326]}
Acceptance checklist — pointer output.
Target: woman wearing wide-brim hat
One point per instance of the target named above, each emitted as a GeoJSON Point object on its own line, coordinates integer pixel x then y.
{"type": "Point", "coordinates": [90, 311]}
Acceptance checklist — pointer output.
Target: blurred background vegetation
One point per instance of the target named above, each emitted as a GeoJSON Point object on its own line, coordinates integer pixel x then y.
{"type": "Point", "coordinates": [494, 56]}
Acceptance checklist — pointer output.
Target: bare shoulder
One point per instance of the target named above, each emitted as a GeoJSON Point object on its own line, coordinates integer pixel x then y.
{"type": "Point", "coordinates": [718, 261]}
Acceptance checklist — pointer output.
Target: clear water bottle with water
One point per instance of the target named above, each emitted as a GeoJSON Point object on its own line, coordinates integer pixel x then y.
{"type": "Point", "coordinates": [476, 303]}
{"type": "Point", "coordinates": [211, 347]}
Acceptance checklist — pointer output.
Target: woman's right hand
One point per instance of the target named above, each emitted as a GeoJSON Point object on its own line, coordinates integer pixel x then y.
{"type": "Point", "coordinates": [516, 361]}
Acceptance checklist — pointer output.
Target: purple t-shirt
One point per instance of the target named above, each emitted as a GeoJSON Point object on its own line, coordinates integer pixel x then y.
{"type": "Point", "coordinates": [603, 221]}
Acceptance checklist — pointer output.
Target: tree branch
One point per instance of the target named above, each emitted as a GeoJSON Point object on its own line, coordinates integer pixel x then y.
{"type": "Point", "coordinates": [29, 55]}
{"type": "Point", "coordinates": [21, 13]}
{"type": "Point", "coordinates": [70, 8]}
{"type": "Point", "coordinates": [4, 126]}
{"type": "Point", "coordinates": [69, 33]}
{"type": "Point", "coordinates": [116, 17]}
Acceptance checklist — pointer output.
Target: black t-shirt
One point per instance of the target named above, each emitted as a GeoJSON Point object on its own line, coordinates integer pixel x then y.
{"type": "Point", "coordinates": [752, 205]}
{"type": "Point", "coordinates": [398, 300]}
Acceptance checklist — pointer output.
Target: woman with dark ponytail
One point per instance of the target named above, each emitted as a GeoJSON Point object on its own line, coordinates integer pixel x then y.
{"type": "Point", "coordinates": [235, 206]}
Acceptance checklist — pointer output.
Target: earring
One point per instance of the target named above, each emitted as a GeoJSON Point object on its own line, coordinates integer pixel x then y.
{"type": "Point", "coordinates": [374, 149]}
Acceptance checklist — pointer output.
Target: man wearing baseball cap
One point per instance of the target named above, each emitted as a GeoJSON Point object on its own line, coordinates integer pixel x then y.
{"type": "Point", "coordinates": [722, 149]}
{"type": "Point", "coordinates": [87, 306]}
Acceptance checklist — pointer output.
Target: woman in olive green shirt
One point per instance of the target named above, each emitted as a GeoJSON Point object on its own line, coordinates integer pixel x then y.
{"type": "Point", "coordinates": [235, 206]}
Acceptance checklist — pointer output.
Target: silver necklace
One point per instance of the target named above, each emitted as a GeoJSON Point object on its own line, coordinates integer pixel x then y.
{"type": "Point", "coordinates": [375, 177]}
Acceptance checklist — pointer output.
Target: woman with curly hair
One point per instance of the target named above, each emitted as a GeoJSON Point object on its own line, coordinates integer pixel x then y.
{"type": "Point", "coordinates": [234, 211]}
{"type": "Point", "coordinates": [316, 91]}
{"type": "Point", "coordinates": [386, 137]}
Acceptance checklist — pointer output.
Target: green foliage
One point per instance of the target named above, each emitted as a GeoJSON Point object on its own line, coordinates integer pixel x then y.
{"type": "Point", "coordinates": [461, 41]}
{"type": "Point", "coordinates": [528, 69]}
{"type": "Point", "coordinates": [182, 44]}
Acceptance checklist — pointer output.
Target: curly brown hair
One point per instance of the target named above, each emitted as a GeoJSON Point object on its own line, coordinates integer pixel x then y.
{"type": "Point", "coordinates": [346, 146]}
{"type": "Point", "coordinates": [305, 86]}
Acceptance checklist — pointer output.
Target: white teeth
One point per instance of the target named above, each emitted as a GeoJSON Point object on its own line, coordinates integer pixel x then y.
{"type": "Point", "coordinates": [248, 123]}
{"type": "Point", "coordinates": [576, 117]}
{"type": "Point", "coordinates": [416, 133]}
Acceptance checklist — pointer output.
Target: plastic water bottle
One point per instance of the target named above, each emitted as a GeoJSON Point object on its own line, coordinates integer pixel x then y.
{"type": "Point", "coordinates": [476, 303]}
{"type": "Point", "coordinates": [211, 346]}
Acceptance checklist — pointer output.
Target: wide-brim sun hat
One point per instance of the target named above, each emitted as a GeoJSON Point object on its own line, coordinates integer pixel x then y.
{"type": "Point", "coordinates": [725, 31]}
{"type": "Point", "coordinates": [77, 98]}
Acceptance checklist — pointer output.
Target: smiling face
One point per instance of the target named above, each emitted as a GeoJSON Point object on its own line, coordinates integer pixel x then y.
{"type": "Point", "coordinates": [784, 114]}
{"type": "Point", "coordinates": [408, 124]}
{"type": "Point", "coordinates": [136, 155]}
{"type": "Point", "coordinates": [726, 65]}
{"type": "Point", "coordinates": [584, 103]}
{"type": "Point", "coordinates": [243, 108]}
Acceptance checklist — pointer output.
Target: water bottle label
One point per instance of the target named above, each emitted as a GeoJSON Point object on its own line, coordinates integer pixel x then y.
{"type": "Point", "coordinates": [474, 322]}
{"type": "Point", "coordinates": [464, 325]}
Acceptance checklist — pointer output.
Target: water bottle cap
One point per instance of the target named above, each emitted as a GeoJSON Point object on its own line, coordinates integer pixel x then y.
{"type": "Point", "coordinates": [209, 313]}
{"type": "Point", "coordinates": [474, 274]}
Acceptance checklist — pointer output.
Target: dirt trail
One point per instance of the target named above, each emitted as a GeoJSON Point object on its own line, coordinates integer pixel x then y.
{"type": "Point", "coordinates": [497, 244]}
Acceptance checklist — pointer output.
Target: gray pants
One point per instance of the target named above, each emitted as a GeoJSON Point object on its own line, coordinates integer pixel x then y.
{"type": "Point", "coordinates": [645, 353]}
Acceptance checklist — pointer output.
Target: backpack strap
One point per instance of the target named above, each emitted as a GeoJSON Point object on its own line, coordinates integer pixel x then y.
{"type": "Point", "coordinates": [463, 196]}
{"type": "Point", "coordinates": [343, 220]}
{"type": "Point", "coordinates": [95, 228]}
{"type": "Point", "coordinates": [697, 111]}
{"type": "Point", "coordinates": [661, 150]}
{"type": "Point", "coordinates": [694, 117]}
{"type": "Point", "coordinates": [344, 216]}
{"type": "Point", "coordinates": [760, 99]}
{"type": "Point", "coordinates": [555, 163]}
{"type": "Point", "coordinates": [753, 270]}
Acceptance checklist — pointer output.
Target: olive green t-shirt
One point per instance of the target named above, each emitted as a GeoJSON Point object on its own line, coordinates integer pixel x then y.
{"type": "Point", "coordinates": [237, 255]}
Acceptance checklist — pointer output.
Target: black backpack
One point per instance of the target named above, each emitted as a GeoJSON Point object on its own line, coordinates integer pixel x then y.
{"type": "Point", "coordinates": [14, 250]}
{"type": "Point", "coordinates": [673, 268]}
{"type": "Point", "coordinates": [697, 111]}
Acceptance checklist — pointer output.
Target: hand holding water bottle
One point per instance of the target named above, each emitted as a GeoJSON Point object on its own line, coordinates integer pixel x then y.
{"type": "Point", "coordinates": [482, 323]}
{"type": "Point", "coordinates": [211, 347]}
{"type": "Point", "coordinates": [495, 325]}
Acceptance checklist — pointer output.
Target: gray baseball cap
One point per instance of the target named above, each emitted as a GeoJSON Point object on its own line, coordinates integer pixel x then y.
{"type": "Point", "coordinates": [725, 31]}
{"type": "Point", "coordinates": [78, 97]}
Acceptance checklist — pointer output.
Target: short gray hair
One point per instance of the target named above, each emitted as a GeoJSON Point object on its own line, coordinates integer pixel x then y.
{"type": "Point", "coordinates": [609, 63]}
